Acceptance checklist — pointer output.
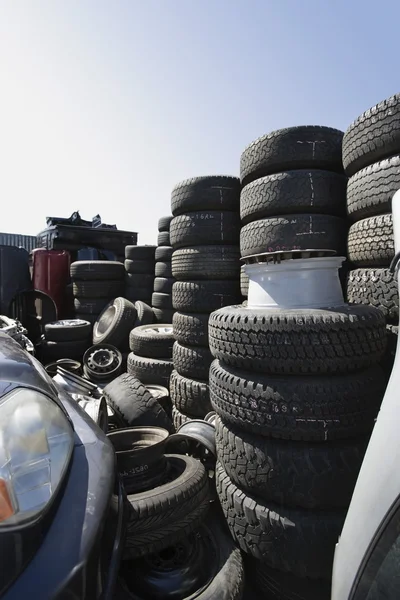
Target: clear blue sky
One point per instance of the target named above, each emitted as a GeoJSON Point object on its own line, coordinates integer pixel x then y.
{"type": "Point", "coordinates": [106, 104]}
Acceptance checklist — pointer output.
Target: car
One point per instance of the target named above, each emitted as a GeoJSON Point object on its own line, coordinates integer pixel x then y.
{"type": "Point", "coordinates": [61, 503]}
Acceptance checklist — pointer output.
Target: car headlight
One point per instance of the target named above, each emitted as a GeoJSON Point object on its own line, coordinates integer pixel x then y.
{"type": "Point", "coordinates": [36, 441]}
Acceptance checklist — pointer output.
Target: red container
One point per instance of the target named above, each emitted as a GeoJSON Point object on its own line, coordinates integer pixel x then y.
{"type": "Point", "coordinates": [51, 275]}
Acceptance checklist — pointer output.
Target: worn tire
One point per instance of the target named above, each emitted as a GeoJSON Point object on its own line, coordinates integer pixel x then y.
{"type": "Point", "coordinates": [145, 267]}
{"type": "Point", "coordinates": [135, 253]}
{"type": "Point", "coordinates": [191, 329]}
{"type": "Point", "coordinates": [206, 262]}
{"type": "Point", "coordinates": [312, 408]}
{"type": "Point", "coordinates": [163, 269]}
{"type": "Point", "coordinates": [68, 330]}
{"type": "Point", "coordinates": [190, 396]}
{"type": "Point", "coordinates": [164, 222]}
{"type": "Point", "coordinates": [302, 191]}
{"type": "Point", "coordinates": [90, 306]}
{"type": "Point", "coordinates": [216, 192]}
{"type": "Point", "coordinates": [98, 289]}
{"type": "Point", "coordinates": [115, 323]}
{"type": "Point", "coordinates": [89, 318]}
{"type": "Point", "coordinates": [390, 354]}
{"type": "Point", "coordinates": [179, 418]}
{"type": "Point", "coordinates": [298, 341]}
{"type": "Point", "coordinates": [164, 253]}
{"type": "Point", "coordinates": [192, 361]}
{"type": "Point", "coordinates": [371, 242]}
{"type": "Point", "coordinates": [152, 341]}
{"type": "Point", "coordinates": [374, 135]}
{"type": "Point", "coordinates": [163, 315]}
{"type": "Point", "coordinates": [205, 227]}
{"type": "Point", "coordinates": [204, 296]}
{"type": "Point", "coordinates": [374, 287]}
{"type": "Point", "coordinates": [163, 239]}
{"type": "Point", "coordinates": [96, 270]}
{"type": "Point", "coordinates": [133, 404]}
{"type": "Point", "coordinates": [161, 300]}
{"type": "Point", "coordinates": [150, 370]}
{"type": "Point", "coordinates": [145, 315]}
{"type": "Point", "coordinates": [293, 474]}
{"type": "Point", "coordinates": [301, 542]}
{"type": "Point", "coordinates": [164, 284]}
{"type": "Point", "coordinates": [244, 282]}
{"type": "Point", "coordinates": [303, 147]}
{"type": "Point", "coordinates": [294, 232]}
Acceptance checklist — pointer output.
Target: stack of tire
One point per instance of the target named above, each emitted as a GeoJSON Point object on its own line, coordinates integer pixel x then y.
{"type": "Point", "coordinates": [296, 391]}
{"type": "Point", "coordinates": [161, 300]}
{"type": "Point", "coordinates": [139, 276]}
{"type": "Point", "coordinates": [150, 359]}
{"type": "Point", "coordinates": [95, 283]}
{"type": "Point", "coordinates": [204, 234]}
{"type": "Point", "coordinates": [371, 157]}
{"type": "Point", "coordinates": [69, 338]}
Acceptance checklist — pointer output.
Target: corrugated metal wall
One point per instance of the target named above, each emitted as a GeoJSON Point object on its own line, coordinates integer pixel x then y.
{"type": "Point", "coordinates": [29, 242]}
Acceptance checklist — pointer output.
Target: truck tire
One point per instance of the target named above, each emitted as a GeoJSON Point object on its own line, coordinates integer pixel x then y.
{"type": "Point", "coordinates": [371, 242]}
{"type": "Point", "coordinates": [204, 296]}
{"type": "Point", "coordinates": [152, 341]}
{"type": "Point", "coordinates": [191, 329]}
{"type": "Point", "coordinates": [205, 227]}
{"type": "Point", "coordinates": [374, 287]}
{"type": "Point", "coordinates": [216, 192]}
{"type": "Point", "coordinates": [95, 270]}
{"type": "Point", "coordinates": [192, 361]}
{"type": "Point", "coordinates": [150, 370]}
{"type": "Point", "coordinates": [206, 262]}
{"type": "Point", "coordinates": [190, 396]}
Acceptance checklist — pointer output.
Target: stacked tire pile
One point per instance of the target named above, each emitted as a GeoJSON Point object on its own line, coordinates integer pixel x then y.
{"type": "Point", "coordinates": [296, 391]}
{"type": "Point", "coordinates": [95, 283]}
{"type": "Point", "coordinates": [69, 338]}
{"type": "Point", "coordinates": [204, 234]}
{"type": "Point", "coordinates": [139, 275]}
{"type": "Point", "coordinates": [371, 157]}
{"type": "Point", "coordinates": [161, 300]}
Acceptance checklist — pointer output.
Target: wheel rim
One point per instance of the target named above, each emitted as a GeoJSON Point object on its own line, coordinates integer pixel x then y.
{"type": "Point", "coordinates": [159, 329]}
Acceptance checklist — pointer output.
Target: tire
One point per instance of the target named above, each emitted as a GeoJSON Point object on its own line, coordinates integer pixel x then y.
{"type": "Point", "coordinates": [163, 269]}
{"type": "Point", "coordinates": [145, 315]}
{"type": "Point", "coordinates": [163, 284]}
{"type": "Point", "coordinates": [163, 315]}
{"type": "Point", "coordinates": [138, 295]}
{"type": "Point", "coordinates": [164, 253]}
{"type": "Point", "coordinates": [216, 192]}
{"type": "Point", "coordinates": [374, 135]}
{"type": "Point", "coordinates": [163, 239]}
{"type": "Point", "coordinates": [191, 329]}
{"type": "Point", "coordinates": [313, 408]}
{"type": "Point", "coordinates": [145, 267]}
{"type": "Point", "coordinates": [89, 318]}
{"type": "Point", "coordinates": [150, 370]}
{"type": "Point", "coordinates": [390, 354]}
{"type": "Point", "coordinates": [374, 287]}
{"type": "Point", "coordinates": [179, 418]}
{"type": "Point", "coordinates": [69, 330]}
{"type": "Point", "coordinates": [135, 253]}
{"type": "Point", "coordinates": [97, 270]}
{"type": "Point", "coordinates": [192, 361]}
{"type": "Point", "coordinates": [98, 289]}
{"type": "Point", "coordinates": [205, 227]}
{"type": "Point", "coordinates": [244, 282]}
{"type": "Point", "coordinates": [297, 342]}
{"type": "Point", "coordinates": [152, 341]}
{"type": "Point", "coordinates": [206, 262]}
{"type": "Point", "coordinates": [191, 397]}
{"type": "Point", "coordinates": [139, 280]}
{"type": "Point", "coordinates": [294, 232]}
{"type": "Point", "coordinates": [297, 541]}
{"type": "Point", "coordinates": [291, 473]}
{"type": "Point", "coordinates": [163, 223]}
{"type": "Point", "coordinates": [90, 306]}
{"type": "Point", "coordinates": [204, 296]}
{"type": "Point", "coordinates": [115, 323]}
{"type": "Point", "coordinates": [370, 191]}
{"type": "Point", "coordinates": [310, 191]}
{"type": "Point", "coordinates": [134, 405]}
{"type": "Point", "coordinates": [304, 147]}
{"type": "Point", "coordinates": [159, 300]}
{"type": "Point", "coordinates": [68, 349]}
{"type": "Point", "coordinates": [371, 242]}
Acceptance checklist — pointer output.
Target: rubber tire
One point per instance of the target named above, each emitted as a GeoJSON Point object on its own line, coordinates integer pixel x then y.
{"type": "Point", "coordinates": [244, 282]}
{"type": "Point", "coordinates": [118, 327]}
{"type": "Point", "coordinates": [69, 330]}
{"type": "Point", "coordinates": [159, 300]}
{"type": "Point", "coordinates": [303, 191]}
{"type": "Point", "coordinates": [145, 267]}
{"type": "Point", "coordinates": [96, 270]}
{"type": "Point", "coordinates": [206, 262]}
{"type": "Point", "coordinates": [390, 354]}
{"type": "Point", "coordinates": [138, 295]}
{"type": "Point", "coordinates": [145, 341]}
{"type": "Point", "coordinates": [134, 405]}
{"type": "Point", "coordinates": [90, 306]}
{"type": "Point", "coordinates": [371, 242]}
{"type": "Point", "coordinates": [164, 284]}
{"type": "Point", "coordinates": [205, 227]}
{"type": "Point", "coordinates": [374, 287]}
{"type": "Point", "coordinates": [98, 289]}
{"type": "Point", "coordinates": [140, 253]}
{"type": "Point", "coordinates": [164, 253]}
{"type": "Point", "coordinates": [216, 192]}
{"type": "Point", "coordinates": [150, 370]}
{"type": "Point", "coordinates": [298, 342]}
{"type": "Point", "coordinates": [191, 329]}
{"type": "Point", "coordinates": [190, 396]}
{"type": "Point", "coordinates": [204, 296]}
{"type": "Point", "coordinates": [68, 349]}
{"type": "Point", "coordinates": [163, 239]}
{"type": "Point", "coordinates": [192, 361]}
{"type": "Point", "coordinates": [291, 473]}
{"type": "Point", "coordinates": [163, 223]}
{"type": "Point", "coordinates": [89, 318]}
{"type": "Point", "coordinates": [145, 315]}
{"type": "Point", "coordinates": [294, 232]}
{"type": "Point", "coordinates": [374, 135]}
{"type": "Point", "coordinates": [139, 280]}
{"type": "Point", "coordinates": [163, 269]}
{"type": "Point", "coordinates": [370, 191]}
{"type": "Point", "coordinates": [293, 540]}
{"type": "Point", "coordinates": [303, 147]}
{"type": "Point", "coordinates": [179, 418]}
{"type": "Point", "coordinates": [163, 315]}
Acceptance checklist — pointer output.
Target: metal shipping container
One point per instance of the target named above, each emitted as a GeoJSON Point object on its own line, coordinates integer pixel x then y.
{"type": "Point", "coordinates": [29, 242]}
